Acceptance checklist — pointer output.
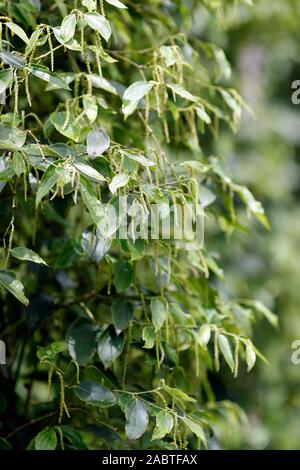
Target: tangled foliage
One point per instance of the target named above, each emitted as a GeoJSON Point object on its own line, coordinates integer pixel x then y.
{"type": "Point", "coordinates": [116, 339]}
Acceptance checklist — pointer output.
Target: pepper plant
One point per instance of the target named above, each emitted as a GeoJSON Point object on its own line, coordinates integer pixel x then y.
{"type": "Point", "coordinates": [111, 342]}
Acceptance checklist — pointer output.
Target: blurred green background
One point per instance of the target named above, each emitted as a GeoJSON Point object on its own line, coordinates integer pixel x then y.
{"type": "Point", "coordinates": [263, 45]}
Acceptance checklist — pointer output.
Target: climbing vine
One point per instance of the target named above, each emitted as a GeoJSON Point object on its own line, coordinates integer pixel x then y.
{"type": "Point", "coordinates": [112, 341]}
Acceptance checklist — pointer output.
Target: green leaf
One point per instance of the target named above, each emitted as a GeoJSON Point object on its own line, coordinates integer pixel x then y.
{"type": "Point", "coordinates": [261, 308]}
{"type": "Point", "coordinates": [94, 206]}
{"type": "Point", "coordinates": [100, 82]}
{"type": "Point", "coordinates": [18, 163]}
{"type": "Point", "coordinates": [72, 130]}
{"type": "Point", "coordinates": [137, 90]}
{"type": "Point", "coordinates": [89, 171]}
{"type": "Point", "coordinates": [4, 445]}
{"type": "Point", "coordinates": [15, 287]}
{"type": "Point", "coordinates": [202, 114]}
{"type": "Point", "coordinates": [255, 207]}
{"type": "Point", "coordinates": [149, 337]}
{"type": "Point", "coordinates": [110, 346]}
{"type": "Point", "coordinates": [118, 181]}
{"type": "Point", "coordinates": [7, 171]}
{"type": "Point", "coordinates": [204, 334]}
{"type": "Point", "coordinates": [94, 245]}
{"type": "Point", "coordinates": [116, 3]}
{"type": "Point", "coordinates": [34, 40]}
{"type": "Point", "coordinates": [90, 4]}
{"type": "Point", "coordinates": [16, 61]}
{"type": "Point", "coordinates": [226, 350]}
{"type": "Point", "coordinates": [50, 351]}
{"type": "Point", "coordinates": [136, 419]}
{"type": "Point", "coordinates": [123, 275]}
{"type": "Point", "coordinates": [158, 312]}
{"type": "Point", "coordinates": [81, 340]}
{"type": "Point", "coordinates": [98, 23]}
{"type": "Point", "coordinates": [169, 54]}
{"type": "Point", "coordinates": [68, 26]}
{"type": "Point", "coordinates": [180, 91]}
{"type": "Point", "coordinates": [196, 428]}
{"type": "Point", "coordinates": [11, 138]}
{"type": "Point", "coordinates": [73, 436]}
{"type": "Point", "coordinates": [231, 102]}
{"type": "Point", "coordinates": [72, 44]}
{"type": "Point", "coordinates": [6, 76]}
{"type": "Point", "coordinates": [46, 440]}
{"type": "Point", "coordinates": [139, 158]}
{"type": "Point", "coordinates": [95, 394]}
{"type": "Point", "coordinates": [179, 395]}
{"type": "Point", "coordinates": [47, 182]}
{"type": "Point", "coordinates": [25, 254]}
{"type": "Point", "coordinates": [122, 314]}
{"type": "Point", "coordinates": [97, 142]}
{"type": "Point", "coordinates": [250, 356]}
{"type": "Point", "coordinates": [45, 74]}
{"type": "Point", "coordinates": [164, 425]}
{"type": "Point", "coordinates": [133, 94]}
{"type": "Point", "coordinates": [90, 107]}
{"type": "Point", "coordinates": [18, 31]}
{"type": "Point", "coordinates": [137, 248]}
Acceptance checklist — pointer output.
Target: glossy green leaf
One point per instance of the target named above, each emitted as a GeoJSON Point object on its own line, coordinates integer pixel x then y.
{"type": "Point", "coordinates": [158, 312]}
{"type": "Point", "coordinates": [182, 92]}
{"type": "Point", "coordinates": [16, 29]}
{"type": "Point", "coordinates": [18, 163]}
{"type": "Point", "coordinates": [136, 419]}
{"type": "Point", "coordinates": [95, 394]}
{"type": "Point", "coordinates": [99, 23]}
{"type": "Point", "coordinates": [94, 206]}
{"type": "Point", "coordinates": [89, 171]}
{"type": "Point", "coordinates": [169, 54]}
{"type": "Point", "coordinates": [90, 4]}
{"type": "Point", "coordinates": [45, 74]}
{"type": "Point", "coordinates": [116, 3]}
{"type": "Point", "coordinates": [90, 107]}
{"type": "Point", "coordinates": [11, 138]}
{"type": "Point", "coordinates": [250, 356]}
{"type": "Point", "coordinates": [46, 440]}
{"type": "Point", "coordinates": [204, 335]}
{"type": "Point", "coordinates": [139, 158]}
{"type": "Point", "coordinates": [13, 285]}
{"type": "Point", "coordinates": [226, 350]}
{"type": "Point", "coordinates": [97, 142]}
{"type": "Point", "coordinates": [149, 337]}
{"type": "Point", "coordinates": [179, 395]}
{"type": "Point", "coordinates": [196, 428]}
{"type": "Point", "coordinates": [72, 44]}
{"type": "Point", "coordinates": [6, 76]}
{"type": "Point", "coordinates": [122, 314]}
{"type": "Point", "coordinates": [118, 181]}
{"type": "Point", "coordinates": [68, 26]}
{"type": "Point", "coordinates": [81, 340]}
{"type": "Point", "coordinates": [109, 348]}
{"type": "Point", "coordinates": [202, 114]}
{"type": "Point", "coordinates": [67, 127]}
{"type": "Point", "coordinates": [133, 94]}
{"type": "Point", "coordinates": [15, 60]}
{"type": "Point", "coordinates": [73, 436]}
{"type": "Point", "coordinates": [164, 425]}
{"type": "Point", "coordinates": [25, 254]}
{"type": "Point", "coordinates": [47, 182]}
{"type": "Point", "coordinates": [123, 275]}
{"type": "Point", "coordinates": [100, 82]}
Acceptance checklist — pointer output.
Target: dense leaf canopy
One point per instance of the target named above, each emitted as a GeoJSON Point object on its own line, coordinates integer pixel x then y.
{"type": "Point", "coordinates": [110, 342]}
